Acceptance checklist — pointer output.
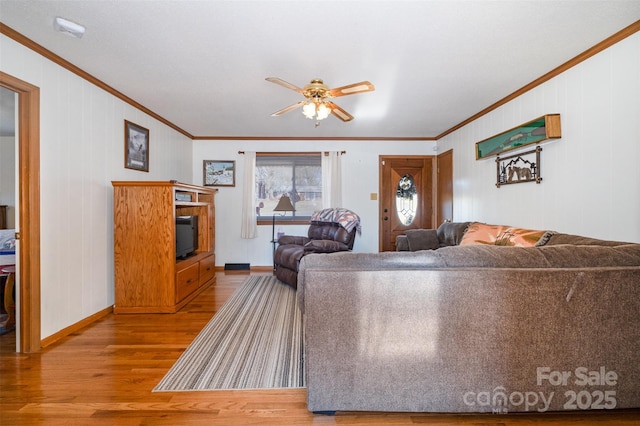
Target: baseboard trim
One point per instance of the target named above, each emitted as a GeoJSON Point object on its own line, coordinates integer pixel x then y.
{"type": "Point", "coordinates": [75, 327]}
{"type": "Point", "coordinates": [262, 268]}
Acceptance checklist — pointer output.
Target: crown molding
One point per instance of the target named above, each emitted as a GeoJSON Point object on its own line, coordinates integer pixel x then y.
{"type": "Point", "coordinates": [16, 36]}
{"type": "Point", "coordinates": [608, 42]}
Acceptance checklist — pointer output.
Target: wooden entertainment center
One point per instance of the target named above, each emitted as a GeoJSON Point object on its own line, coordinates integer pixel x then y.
{"type": "Point", "coordinates": [148, 277]}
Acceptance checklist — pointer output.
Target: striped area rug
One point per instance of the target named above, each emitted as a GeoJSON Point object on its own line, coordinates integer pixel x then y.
{"type": "Point", "coordinates": [253, 342]}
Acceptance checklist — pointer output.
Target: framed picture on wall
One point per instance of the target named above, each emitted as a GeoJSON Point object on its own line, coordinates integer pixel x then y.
{"type": "Point", "coordinates": [136, 147]}
{"type": "Point", "coordinates": [535, 131]}
{"type": "Point", "coordinates": [219, 173]}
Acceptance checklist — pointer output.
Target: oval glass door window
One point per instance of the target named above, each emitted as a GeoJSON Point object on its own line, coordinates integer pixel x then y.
{"type": "Point", "coordinates": [406, 200]}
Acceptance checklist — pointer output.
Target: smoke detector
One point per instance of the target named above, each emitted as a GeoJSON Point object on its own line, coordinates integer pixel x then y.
{"type": "Point", "coordinates": [67, 27]}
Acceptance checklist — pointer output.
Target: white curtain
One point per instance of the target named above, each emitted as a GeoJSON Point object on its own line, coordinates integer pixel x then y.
{"type": "Point", "coordinates": [249, 218]}
{"type": "Point", "coordinates": [331, 180]}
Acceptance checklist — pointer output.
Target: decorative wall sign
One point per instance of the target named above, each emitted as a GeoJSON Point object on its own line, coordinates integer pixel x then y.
{"type": "Point", "coordinates": [519, 168]}
{"type": "Point", "coordinates": [538, 130]}
{"type": "Point", "coordinates": [136, 147]}
{"type": "Point", "coordinates": [219, 173]}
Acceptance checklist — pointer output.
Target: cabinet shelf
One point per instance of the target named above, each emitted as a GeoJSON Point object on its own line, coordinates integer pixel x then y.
{"type": "Point", "coordinates": [187, 204]}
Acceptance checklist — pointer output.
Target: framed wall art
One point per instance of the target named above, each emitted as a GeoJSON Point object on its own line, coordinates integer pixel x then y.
{"type": "Point", "coordinates": [535, 131]}
{"type": "Point", "coordinates": [519, 168]}
{"type": "Point", "coordinates": [219, 173]}
{"type": "Point", "coordinates": [136, 147]}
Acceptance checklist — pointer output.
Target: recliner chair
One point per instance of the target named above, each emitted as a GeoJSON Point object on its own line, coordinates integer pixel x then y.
{"type": "Point", "coordinates": [323, 237]}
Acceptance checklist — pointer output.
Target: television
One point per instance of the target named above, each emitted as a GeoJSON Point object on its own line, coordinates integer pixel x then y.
{"type": "Point", "coordinates": [186, 236]}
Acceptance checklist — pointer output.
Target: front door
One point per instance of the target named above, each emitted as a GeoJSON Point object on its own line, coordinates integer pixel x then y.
{"type": "Point", "coordinates": [406, 196]}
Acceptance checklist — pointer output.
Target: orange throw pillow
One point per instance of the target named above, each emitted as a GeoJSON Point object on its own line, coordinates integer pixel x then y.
{"type": "Point", "coordinates": [500, 235]}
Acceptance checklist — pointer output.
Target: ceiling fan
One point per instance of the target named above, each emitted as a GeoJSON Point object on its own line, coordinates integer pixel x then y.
{"type": "Point", "coordinates": [317, 103]}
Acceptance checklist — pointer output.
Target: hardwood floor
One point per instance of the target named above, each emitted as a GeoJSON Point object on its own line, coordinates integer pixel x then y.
{"type": "Point", "coordinates": [104, 374]}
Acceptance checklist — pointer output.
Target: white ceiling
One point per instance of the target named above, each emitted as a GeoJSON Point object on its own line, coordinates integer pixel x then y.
{"type": "Point", "coordinates": [202, 64]}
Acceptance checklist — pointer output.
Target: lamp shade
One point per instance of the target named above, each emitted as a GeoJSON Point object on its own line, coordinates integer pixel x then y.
{"type": "Point", "coordinates": [309, 110]}
{"type": "Point", "coordinates": [284, 205]}
{"type": "Point", "coordinates": [322, 111]}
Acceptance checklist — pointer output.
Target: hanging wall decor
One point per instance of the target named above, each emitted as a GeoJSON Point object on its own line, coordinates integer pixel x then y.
{"type": "Point", "coordinates": [535, 131]}
{"type": "Point", "coordinates": [519, 168]}
{"type": "Point", "coordinates": [136, 147]}
{"type": "Point", "coordinates": [219, 172]}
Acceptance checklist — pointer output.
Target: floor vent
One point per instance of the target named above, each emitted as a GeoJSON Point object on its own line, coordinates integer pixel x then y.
{"type": "Point", "coordinates": [236, 266]}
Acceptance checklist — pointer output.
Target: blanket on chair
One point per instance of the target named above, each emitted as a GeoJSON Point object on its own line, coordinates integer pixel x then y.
{"type": "Point", "coordinates": [344, 217]}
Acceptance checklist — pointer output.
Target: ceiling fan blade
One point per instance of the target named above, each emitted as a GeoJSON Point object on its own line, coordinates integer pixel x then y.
{"type": "Point", "coordinates": [287, 109]}
{"type": "Point", "coordinates": [339, 112]}
{"type": "Point", "coordinates": [363, 86]}
{"type": "Point", "coordinates": [283, 83]}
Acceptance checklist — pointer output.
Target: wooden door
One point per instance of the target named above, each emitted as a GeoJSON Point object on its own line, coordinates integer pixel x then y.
{"type": "Point", "coordinates": [398, 213]}
{"type": "Point", "coordinates": [444, 196]}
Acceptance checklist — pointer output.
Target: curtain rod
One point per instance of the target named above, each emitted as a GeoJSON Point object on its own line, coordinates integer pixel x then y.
{"type": "Point", "coordinates": [301, 153]}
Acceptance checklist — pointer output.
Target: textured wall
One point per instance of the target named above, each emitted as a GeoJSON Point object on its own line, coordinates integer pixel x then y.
{"type": "Point", "coordinates": [591, 177]}
{"type": "Point", "coordinates": [82, 151]}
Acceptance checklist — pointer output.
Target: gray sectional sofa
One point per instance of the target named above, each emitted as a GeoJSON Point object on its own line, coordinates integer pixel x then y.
{"type": "Point", "coordinates": [479, 328]}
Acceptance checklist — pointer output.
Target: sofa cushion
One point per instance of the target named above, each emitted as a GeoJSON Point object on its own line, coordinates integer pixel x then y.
{"type": "Point", "coordinates": [501, 235]}
{"type": "Point", "coordinates": [422, 239]}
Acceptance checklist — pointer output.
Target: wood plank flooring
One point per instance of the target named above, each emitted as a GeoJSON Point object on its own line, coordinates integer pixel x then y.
{"type": "Point", "coordinates": [104, 374]}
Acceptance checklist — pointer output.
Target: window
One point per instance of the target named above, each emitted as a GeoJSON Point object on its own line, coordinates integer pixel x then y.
{"type": "Point", "coordinates": [299, 176]}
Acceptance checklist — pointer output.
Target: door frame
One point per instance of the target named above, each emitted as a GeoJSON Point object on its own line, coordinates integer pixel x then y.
{"type": "Point", "coordinates": [444, 188]}
{"type": "Point", "coordinates": [28, 149]}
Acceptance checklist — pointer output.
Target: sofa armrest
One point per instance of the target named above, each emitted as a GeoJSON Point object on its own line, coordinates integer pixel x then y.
{"type": "Point", "coordinates": [451, 233]}
{"type": "Point", "coordinates": [325, 246]}
{"type": "Point", "coordinates": [293, 239]}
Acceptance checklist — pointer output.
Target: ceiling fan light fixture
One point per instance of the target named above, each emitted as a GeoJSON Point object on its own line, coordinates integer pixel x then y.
{"type": "Point", "coordinates": [318, 103]}
{"type": "Point", "coordinates": [309, 110]}
{"type": "Point", "coordinates": [322, 111]}
{"type": "Point", "coordinates": [316, 109]}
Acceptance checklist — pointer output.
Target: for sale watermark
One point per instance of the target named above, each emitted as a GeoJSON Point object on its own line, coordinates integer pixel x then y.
{"type": "Point", "coordinates": [578, 389]}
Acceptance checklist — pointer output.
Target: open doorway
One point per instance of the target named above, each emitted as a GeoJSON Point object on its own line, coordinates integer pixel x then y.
{"type": "Point", "coordinates": [28, 212]}
{"type": "Point", "coordinates": [8, 203]}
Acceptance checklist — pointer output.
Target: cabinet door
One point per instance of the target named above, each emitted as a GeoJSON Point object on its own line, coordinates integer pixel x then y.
{"type": "Point", "coordinates": [187, 281]}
